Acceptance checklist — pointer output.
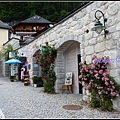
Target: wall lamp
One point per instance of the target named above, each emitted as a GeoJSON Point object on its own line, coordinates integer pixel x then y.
{"type": "Point", "coordinates": [99, 26]}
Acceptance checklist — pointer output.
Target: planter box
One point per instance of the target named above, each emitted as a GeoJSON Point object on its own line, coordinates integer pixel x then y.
{"type": "Point", "coordinates": [40, 84]}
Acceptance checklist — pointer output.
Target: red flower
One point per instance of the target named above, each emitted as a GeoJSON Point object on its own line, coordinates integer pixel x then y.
{"type": "Point", "coordinates": [37, 61]}
{"type": "Point", "coordinates": [46, 80]}
{"type": "Point", "coordinates": [46, 43]}
{"type": "Point", "coordinates": [48, 52]}
{"type": "Point", "coordinates": [43, 65]}
{"type": "Point", "coordinates": [44, 77]}
{"type": "Point", "coordinates": [45, 54]}
{"type": "Point", "coordinates": [34, 55]}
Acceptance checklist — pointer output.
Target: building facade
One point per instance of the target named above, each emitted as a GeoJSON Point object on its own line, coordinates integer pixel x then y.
{"type": "Point", "coordinates": [76, 42]}
{"type": "Point", "coordinates": [4, 37]}
{"type": "Point", "coordinates": [27, 29]}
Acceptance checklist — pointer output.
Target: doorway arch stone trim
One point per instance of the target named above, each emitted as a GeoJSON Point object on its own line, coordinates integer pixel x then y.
{"type": "Point", "coordinates": [69, 37]}
{"type": "Point", "coordinates": [62, 46]}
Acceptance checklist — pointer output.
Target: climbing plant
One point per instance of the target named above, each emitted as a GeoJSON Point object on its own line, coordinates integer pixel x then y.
{"type": "Point", "coordinates": [46, 59]}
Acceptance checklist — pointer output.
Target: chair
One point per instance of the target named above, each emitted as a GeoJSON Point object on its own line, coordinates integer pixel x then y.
{"type": "Point", "coordinates": [67, 87]}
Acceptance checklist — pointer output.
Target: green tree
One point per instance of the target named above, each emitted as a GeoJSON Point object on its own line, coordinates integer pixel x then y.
{"type": "Point", "coordinates": [63, 13]}
{"type": "Point", "coordinates": [13, 11]}
{"type": "Point", "coordinates": [6, 50]}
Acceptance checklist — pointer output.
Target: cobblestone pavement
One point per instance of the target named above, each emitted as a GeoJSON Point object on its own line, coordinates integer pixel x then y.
{"type": "Point", "coordinates": [19, 101]}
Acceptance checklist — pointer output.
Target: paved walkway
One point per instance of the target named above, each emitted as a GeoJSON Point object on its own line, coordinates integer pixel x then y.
{"type": "Point", "coordinates": [19, 101]}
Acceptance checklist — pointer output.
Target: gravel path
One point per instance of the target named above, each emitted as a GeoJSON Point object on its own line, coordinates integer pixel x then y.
{"type": "Point", "coordinates": [19, 101]}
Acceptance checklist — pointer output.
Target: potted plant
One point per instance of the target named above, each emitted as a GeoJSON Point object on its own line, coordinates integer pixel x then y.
{"type": "Point", "coordinates": [12, 78]}
{"type": "Point", "coordinates": [35, 79]}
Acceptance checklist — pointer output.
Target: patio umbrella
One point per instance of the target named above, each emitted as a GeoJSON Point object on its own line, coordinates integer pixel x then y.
{"type": "Point", "coordinates": [13, 61]}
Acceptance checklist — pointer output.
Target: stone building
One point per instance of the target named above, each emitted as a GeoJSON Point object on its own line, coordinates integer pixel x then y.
{"type": "Point", "coordinates": [76, 41]}
{"type": "Point", "coordinates": [5, 29]}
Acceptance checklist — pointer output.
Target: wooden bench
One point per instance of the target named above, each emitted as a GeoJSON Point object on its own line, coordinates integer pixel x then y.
{"type": "Point", "coordinates": [67, 88]}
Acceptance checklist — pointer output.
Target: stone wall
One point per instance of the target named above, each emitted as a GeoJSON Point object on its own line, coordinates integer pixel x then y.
{"type": "Point", "coordinates": [94, 44]}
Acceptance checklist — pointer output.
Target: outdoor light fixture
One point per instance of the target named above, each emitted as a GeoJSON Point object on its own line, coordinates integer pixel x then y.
{"type": "Point", "coordinates": [99, 26]}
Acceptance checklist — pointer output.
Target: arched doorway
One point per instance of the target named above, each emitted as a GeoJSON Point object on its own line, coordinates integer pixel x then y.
{"type": "Point", "coordinates": [36, 67]}
{"type": "Point", "coordinates": [72, 59]}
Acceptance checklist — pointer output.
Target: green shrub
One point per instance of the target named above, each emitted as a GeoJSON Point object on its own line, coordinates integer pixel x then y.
{"type": "Point", "coordinates": [48, 88]}
{"type": "Point", "coordinates": [35, 79]}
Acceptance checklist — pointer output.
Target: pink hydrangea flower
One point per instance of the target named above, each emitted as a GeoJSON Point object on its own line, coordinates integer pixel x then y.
{"type": "Point", "coordinates": [88, 87]}
{"type": "Point", "coordinates": [86, 69]}
{"type": "Point", "coordinates": [117, 95]}
{"type": "Point", "coordinates": [108, 89]}
{"type": "Point", "coordinates": [85, 78]}
{"type": "Point", "coordinates": [104, 74]}
{"type": "Point", "coordinates": [80, 76]}
{"type": "Point", "coordinates": [96, 75]}
{"type": "Point", "coordinates": [92, 66]}
{"type": "Point", "coordinates": [103, 78]}
{"type": "Point", "coordinates": [106, 83]}
{"type": "Point", "coordinates": [111, 82]}
{"type": "Point", "coordinates": [101, 71]}
{"type": "Point", "coordinates": [106, 79]}
{"type": "Point", "coordinates": [113, 93]}
{"type": "Point", "coordinates": [113, 87]}
{"type": "Point", "coordinates": [91, 72]}
{"type": "Point", "coordinates": [102, 67]}
{"type": "Point", "coordinates": [95, 71]}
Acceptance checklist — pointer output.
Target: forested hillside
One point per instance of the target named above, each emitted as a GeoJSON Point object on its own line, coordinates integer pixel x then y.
{"type": "Point", "coordinates": [52, 11]}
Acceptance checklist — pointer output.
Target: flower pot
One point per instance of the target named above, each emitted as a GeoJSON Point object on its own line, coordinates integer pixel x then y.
{"type": "Point", "coordinates": [12, 80]}
{"type": "Point", "coordinates": [34, 85]}
{"type": "Point", "coordinates": [87, 92]}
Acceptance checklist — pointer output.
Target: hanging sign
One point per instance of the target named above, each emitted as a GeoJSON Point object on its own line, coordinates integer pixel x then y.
{"type": "Point", "coordinates": [43, 50]}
